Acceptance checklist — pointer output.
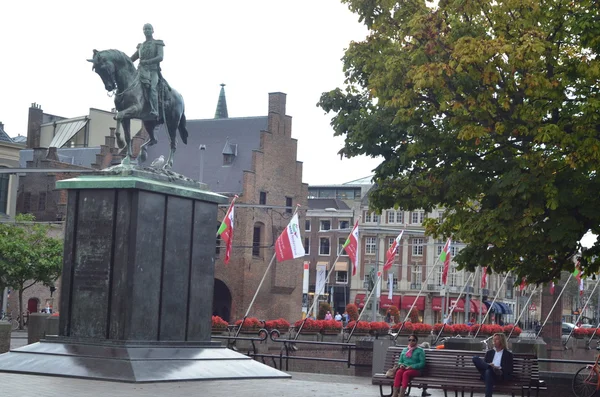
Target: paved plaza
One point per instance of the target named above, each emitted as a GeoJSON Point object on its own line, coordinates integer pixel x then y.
{"type": "Point", "coordinates": [301, 384]}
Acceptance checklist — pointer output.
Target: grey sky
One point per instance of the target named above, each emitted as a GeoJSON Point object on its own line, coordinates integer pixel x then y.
{"type": "Point", "coordinates": [255, 47]}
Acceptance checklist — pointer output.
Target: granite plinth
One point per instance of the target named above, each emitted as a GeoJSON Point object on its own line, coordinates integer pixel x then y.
{"type": "Point", "coordinates": [134, 362]}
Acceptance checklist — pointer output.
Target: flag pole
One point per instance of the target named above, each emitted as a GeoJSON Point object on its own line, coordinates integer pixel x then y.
{"type": "Point", "coordinates": [492, 305]}
{"type": "Point", "coordinates": [454, 306]}
{"type": "Point", "coordinates": [260, 285]}
{"type": "Point", "coordinates": [553, 306]}
{"type": "Point", "coordinates": [522, 311]}
{"type": "Point", "coordinates": [417, 298]}
{"type": "Point", "coordinates": [581, 312]}
{"type": "Point", "coordinates": [361, 313]}
{"type": "Point", "coordinates": [312, 306]}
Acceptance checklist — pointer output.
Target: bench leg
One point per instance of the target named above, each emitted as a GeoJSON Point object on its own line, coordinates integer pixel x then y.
{"type": "Point", "coordinates": [386, 395]}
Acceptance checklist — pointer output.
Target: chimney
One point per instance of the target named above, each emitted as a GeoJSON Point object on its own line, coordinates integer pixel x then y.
{"type": "Point", "coordinates": [34, 126]}
{"type": "Point", "coordinates": [52, 154]}
{"type": "Point", "coordinates": [1, 125]}
{"type": "Point", "coordinates": [277, 103]}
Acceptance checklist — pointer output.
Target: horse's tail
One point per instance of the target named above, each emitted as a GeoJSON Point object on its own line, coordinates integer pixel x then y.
{"type": "Point", "coordinates": [183, 132]}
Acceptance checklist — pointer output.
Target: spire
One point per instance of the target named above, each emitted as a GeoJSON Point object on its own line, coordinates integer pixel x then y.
{"type": "Point", "coordinates": [221, 112]}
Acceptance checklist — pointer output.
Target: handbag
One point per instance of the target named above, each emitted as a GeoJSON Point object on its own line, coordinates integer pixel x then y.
{"type": "Point", "coordinates": [392, 371]}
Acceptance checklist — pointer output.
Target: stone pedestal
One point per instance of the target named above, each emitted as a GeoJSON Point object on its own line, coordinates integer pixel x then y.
{"type": "Point", "coordinates": [5, 331]}
{"type": "Point", "coordinates": [36, 327]}
{"type": "Point", "coordinates": [364, 356]}
{"type": "Point", "coordinates": [552, 331]}
{"type": "Point", "coordinates": [137, 284]}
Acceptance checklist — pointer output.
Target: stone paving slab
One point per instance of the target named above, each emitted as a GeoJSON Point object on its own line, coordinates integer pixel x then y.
{"type": "Point", "coordinates": [301, 385]}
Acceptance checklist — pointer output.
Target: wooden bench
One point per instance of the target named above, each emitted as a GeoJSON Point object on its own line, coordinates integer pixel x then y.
{"type": "Point", "coordinates": [453, 370]}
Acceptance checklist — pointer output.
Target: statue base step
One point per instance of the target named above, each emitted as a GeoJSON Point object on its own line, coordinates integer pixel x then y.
{"type": "Point", "coordinates": [134, 362]}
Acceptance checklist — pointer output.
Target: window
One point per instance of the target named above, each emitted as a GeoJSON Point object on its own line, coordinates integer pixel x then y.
{"type": "Point", "coordinates": [453, 280]}
{"type": "Point", "coordinates": [438, 271]}
{"type": "Point", "coordinates": [263, 198]}
{"type": "Point", "coordinates": [256, 241]}
{"type": "Point", "coordinates": [325, 225]}
{"type": "Point", "coordinates": [288, 204]}
{"type": "Point", "coordinates": [344, 224]}
{"type": "Point", "coordinates": [391, 217]}
{"type": "Point", "coordinates": [341, 242]}
{"type": "Point", "coordinates": [416, 275]}
{"type": "Point", "coordinates": [228, 159]}
{"type": "Point", "coordinates": [26, 202]}
{"type": "Point", "coordinates": [367, 216]}
{"type": "Point", "coordinates": [324, 246]}
{"type": "Point", "coordinates": [341, 277]}
{"type": "Point", "coordinates": [417, 247]}
{"type": "Point", "coordinates": [399, 216]}
{"type": "Point", "coordinates": [370, 245]}
{"type": "Point", "coordinates": [218, 250]}
{"type": "Point", "coordinates": [307, 225]}
{"type": "Point", "coordinates": [441, 216]}
{"type": "Point", "coordinates": [307, 245]}
{"type": "Point", "coordinates": [42, 202]}
{"type": "Point", "coordinates": [391, 241]}
{"type": "Point", "coordinates": [375, 218]}
{"type": "Point", "coordinates": [3, 193]}
{"type": "Point", "coordinates": [418, 217]}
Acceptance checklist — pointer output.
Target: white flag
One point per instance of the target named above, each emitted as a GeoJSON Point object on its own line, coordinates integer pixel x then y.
{"type": "Point", "coordinates": [390, 285]}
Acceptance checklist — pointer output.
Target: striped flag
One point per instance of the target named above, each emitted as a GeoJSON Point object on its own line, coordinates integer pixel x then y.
{"type": "Point", "coordinates": [484, 277]}
{"type": "Point", "coordinates": [391, 252]}
{"type": "Point", "coordinates": [551, 287]}
{"type": "Point", "coordinates": [289, 244]}
{"type": "Point", "coordinates": [351, 247]}
{"type": "Point", "coordinates": [523, 284]}
{"type": "Point", "coordinates": [226, 230]}
{"type": "Point", "coordinates": [445, 258]}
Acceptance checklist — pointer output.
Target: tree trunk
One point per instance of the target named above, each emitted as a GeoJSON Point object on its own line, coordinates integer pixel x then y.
{"type": "Point", "coordinates": [21, 308]}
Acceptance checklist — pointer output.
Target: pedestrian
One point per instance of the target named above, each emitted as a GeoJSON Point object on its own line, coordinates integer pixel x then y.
{"type": "Point", "coordinates": [328, 316]}
{"type": "Point", "coordinates": [338, 316]}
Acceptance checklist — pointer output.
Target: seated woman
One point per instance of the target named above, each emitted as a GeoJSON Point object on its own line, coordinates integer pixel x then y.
{"type": "Point", "coordinates": [410, 364]}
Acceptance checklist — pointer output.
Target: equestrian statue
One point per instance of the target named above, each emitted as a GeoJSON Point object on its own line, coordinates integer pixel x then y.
{"type": "Point", "coordinates": [142, 94]}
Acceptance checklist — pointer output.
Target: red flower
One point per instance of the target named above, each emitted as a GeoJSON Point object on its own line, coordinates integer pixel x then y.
{"type": "Point", "coordinates": [250, 323]}
{"type": "Point", "coordinates": [309, 325]}
{"type": "Point", "coordinates": [438, 327]}
{"type": "Point", "coordinates": [218, 322]}
{"type": "Point", "coordinates": [380, 326]}
{"type": "Point", "coordinates": [408, 327]}
{"type": "Point", "coordinates": [362, 326]}
{"type": "Point", "coordinates": [330, 325]}
{"type": "Point", "coordinates": [508, 328]}
{"type": "Point", "coordinates": [461, 329]}
{"type": "Point", "coordinates": [278, 324]}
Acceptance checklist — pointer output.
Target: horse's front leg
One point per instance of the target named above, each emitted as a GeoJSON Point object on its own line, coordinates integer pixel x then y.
{"type": "Point", "coordinates": [120, 141]}
{"type": "Point", "coordinates": [127, 130]}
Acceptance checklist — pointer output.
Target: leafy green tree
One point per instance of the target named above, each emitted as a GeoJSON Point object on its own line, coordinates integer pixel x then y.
{"type": "Point", "coordinates": [489, 110]}
{"type": "Point", "coordinates": [28, 255]}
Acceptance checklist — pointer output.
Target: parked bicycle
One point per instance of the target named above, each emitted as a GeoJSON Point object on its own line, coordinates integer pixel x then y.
{"type": "Point", "coordinates": [7, 316]}
{"type": "Point", "coordinates": [586, 381]}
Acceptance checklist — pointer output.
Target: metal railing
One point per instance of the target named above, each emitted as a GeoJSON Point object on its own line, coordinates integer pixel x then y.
{"type": "Point", "coordinates": [288, 348]}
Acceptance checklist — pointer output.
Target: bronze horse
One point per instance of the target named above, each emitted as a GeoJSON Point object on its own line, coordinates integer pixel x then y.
{"type": "Point", "coordinates": [118, 73]}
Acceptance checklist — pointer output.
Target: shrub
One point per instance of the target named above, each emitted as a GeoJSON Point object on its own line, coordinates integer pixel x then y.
{"type": "Point", "coordinates": [461, 329]}
{"type": "Point", "coordinates": [363, 326]}
{"type": "Point", "coordinates": [408, 327]}
{"type": "Point", "coordinates": [324, 307]}
{"type": "Point", "coordinates": [330, 325]}
{"type": "Point", "coordinates": [250, 323]}
{"type": "Point", "coordinates": [414, 315]}
{"type": "Point", "coordinates": [352, 311]}
{"type": "Point", "coordinates": [395, 313]}
{"type": "Point", "coordinates": [508, 328]}
{"type": "Point", "coordinates": [310, 325]}
{"type": "Point", "coordinates": [420, 328]}
{"type": "Point", "coordinates": [381, 327]}
{"type": "Point", "coordinates": [279, 324]}
{"type": "Point", "coordinates": [218, 323]}
{"type": "Point", "coordinates": [448, 328]}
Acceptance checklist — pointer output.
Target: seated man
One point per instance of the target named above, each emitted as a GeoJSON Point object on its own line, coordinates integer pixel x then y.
{"type": "Point", "coordinates": [497, 365]}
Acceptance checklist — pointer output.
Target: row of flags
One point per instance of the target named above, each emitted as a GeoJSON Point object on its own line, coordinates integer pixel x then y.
{"type": "Point", "coordinates": [289, 244]}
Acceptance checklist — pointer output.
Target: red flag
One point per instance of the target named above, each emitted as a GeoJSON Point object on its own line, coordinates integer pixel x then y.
{"type": "Point", "coordinates": [551, 287]}
{"type": "Point", "coordinates": [523, 284]}
{"type": "Point", "coordinates": [484, 277]}
{"type": "Point", "coordinates": [226, 230]}
{"type": "Point", "coordinates": [289, 244]}
{"type": "Point", "coordinates": [351, 247]}
{"type": "Point", "coordinates": [391, 252]}
{"type": "Point", "coordinates": [445, 258]}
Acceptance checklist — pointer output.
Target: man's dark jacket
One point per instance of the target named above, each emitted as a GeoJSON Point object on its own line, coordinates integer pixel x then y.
{"type": "Point", "coordinates": [506, 362]}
